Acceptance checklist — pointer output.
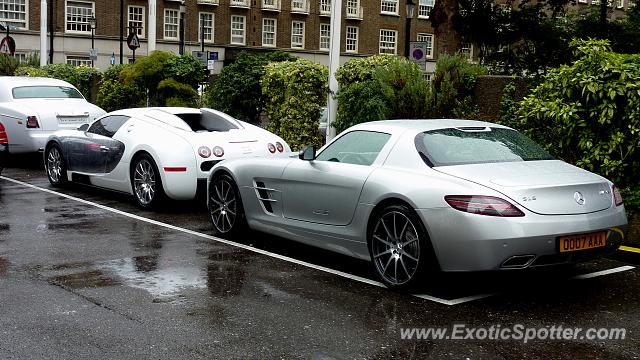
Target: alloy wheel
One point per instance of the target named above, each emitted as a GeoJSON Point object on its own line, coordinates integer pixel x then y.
{"type": "Point", "coordinates": [395, 248]}
{"type": "Point", "coordinates": [223, 206]}
{"type": "Point", "coordinates": [54, 164]}
{"type": "Point", "coordinates": [144, 182]}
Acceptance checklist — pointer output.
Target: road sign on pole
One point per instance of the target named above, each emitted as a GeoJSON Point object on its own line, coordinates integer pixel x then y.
{"type": "Point", "coordinates": [93, 54]}
{"type": "Point", "coordinates": [418, 53]}
{"type": "Point", "coordinates": [132, 41]}
{"type": "Point", "coordinates": [7, 46]}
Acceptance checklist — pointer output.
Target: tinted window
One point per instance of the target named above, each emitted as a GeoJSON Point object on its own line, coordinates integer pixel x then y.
{"type": "Point", "coordinates": [476, 146]}
{"type": "Point", "coordinates": [207, 121]}
{"type": "Point", "coordinates": [46, 92]}
{"type": "Point", "coordinates": [107, 126]}
{"type": "Point", "coordinates": [356, 147]}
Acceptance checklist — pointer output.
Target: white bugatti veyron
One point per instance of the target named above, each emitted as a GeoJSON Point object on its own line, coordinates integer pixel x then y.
{"type": "Point", "coordinates": [153, 153]}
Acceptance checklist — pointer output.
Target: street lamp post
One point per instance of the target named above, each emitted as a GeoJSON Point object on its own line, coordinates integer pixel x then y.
{"type": "Point", "coordinates": [182, 11]}
{"type": "Point", "coordinates": [407, 34]}
{"type": "Point", "coordinates": [92, 24]}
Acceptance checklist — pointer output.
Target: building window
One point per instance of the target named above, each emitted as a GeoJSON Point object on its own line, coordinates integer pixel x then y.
{"type": "Point", "coordinates": [325, 6]}
{"type": "Point", "coordinates": [466, 49]}
{"type": "Point", "coordinates": [238, 29]}
{"type": "Point", "coordinates": [269, 27]}
{"type": "Point", "coordinates": [325, 36]}
{"type": "Point", "coordinates": [583, 1]}
{"type": "Point", "coordinates": [619, 4]}
{"type": "Point", "coordinates": [270, 4]}
{"type": "Point", "coordinates": [136, 19]}
{"type": "Point", "coordinates": [353, 8]}
{"type": "Point", "coordinates": [595, 2]}
{"type": "Point", "coordinates": [206, 24]}
{"type": "Point", "coordinates": [297, 34]}
{"type": "Point", "coordinates": [78, 14]}
{"type": "Point", "coordinates": [424, 8]}
{"type": "Point", "coordinates": [14, 12]}
{"type": "Point", "coordinates": [389, 7]}
{"type": "Point", "coordinates": [428, 38]}
{"type": "Point", "coordinates": [388, 41]}
{"type": "Point", "coordinates": [79, 60]}
{"type": "Point", "coordinates": [171, 23]}
{"type": "Point", "coordinates": [299, 5]}
{"type": "Point", "coordinates": [352, 39]}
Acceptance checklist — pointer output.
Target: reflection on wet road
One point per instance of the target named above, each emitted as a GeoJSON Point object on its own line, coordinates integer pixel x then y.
{"type": "Point", "coordinates": [78, 281]}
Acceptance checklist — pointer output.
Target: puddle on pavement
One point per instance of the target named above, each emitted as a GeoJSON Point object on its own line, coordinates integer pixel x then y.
{"type": "Point", "coordinates": [88, 279]}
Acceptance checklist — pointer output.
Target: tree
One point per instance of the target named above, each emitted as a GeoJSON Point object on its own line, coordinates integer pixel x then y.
{"type": "Point", "coordinates": [445, 19]}
{"type": "Point", "coordinates": [237, 90]}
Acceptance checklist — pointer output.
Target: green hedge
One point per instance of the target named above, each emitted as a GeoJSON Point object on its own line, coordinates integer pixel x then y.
{"type": "Point", "coordinates": [82, 77]}
{"type": "Point", "coordinates": [295, 91]}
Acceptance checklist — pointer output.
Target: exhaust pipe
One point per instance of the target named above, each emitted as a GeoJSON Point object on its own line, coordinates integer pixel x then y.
{"type": "Point", "coordinates": [518, 261]}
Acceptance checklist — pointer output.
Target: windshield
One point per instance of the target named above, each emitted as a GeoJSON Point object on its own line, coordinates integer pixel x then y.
{"type": "Point", "coordinates": [46, 92]}
{"type": "Point", "coordinates": [206, 121]}
{"type": "Point", "coordinates": [454, 146]}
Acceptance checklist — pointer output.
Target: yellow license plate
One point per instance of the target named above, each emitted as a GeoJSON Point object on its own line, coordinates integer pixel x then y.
{"type": "Point", "coordinates": [582, 241]}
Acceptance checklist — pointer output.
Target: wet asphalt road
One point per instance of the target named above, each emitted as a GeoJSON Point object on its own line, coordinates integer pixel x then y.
{"type": "Point", "coordinates": [80, 281]}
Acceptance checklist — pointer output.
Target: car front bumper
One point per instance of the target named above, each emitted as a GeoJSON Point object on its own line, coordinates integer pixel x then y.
{"type": "Point", "coordinates": [471, 242]}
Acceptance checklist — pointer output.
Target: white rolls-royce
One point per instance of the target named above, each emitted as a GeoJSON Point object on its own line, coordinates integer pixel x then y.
{"type": "Point", "coordinates": [32, 108]}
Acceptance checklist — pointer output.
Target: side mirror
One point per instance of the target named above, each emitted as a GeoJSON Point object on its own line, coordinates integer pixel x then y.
{"type": "Point", "coordinates": [83, 127]}
{"type": "Point", "coordinates": [308, 153]}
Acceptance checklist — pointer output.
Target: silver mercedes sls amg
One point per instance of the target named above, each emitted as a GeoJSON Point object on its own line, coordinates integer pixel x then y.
{"type": "Point", "coordinates": [418, 195]}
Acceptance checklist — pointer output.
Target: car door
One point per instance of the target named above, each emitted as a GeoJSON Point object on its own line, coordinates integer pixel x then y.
{"type": "Point", "coordinates": [326, 190]}
{"type": "Point", "coordinates": [96, 152]}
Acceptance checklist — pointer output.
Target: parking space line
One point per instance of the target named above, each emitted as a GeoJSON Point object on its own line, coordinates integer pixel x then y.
{"type": "Point", "coordinates": [287, 258]}
{"type": "Point", "coordinates": [604, 272]}
{"type": "Point", "coordinates": [630, 249]}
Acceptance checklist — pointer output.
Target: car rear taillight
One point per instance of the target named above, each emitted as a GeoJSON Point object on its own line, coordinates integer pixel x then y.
{"type": "Point", "coordinates": [272, 148]}
{"type": "Point", "coordinates": [617, 198]}
{"type": "Point", "coordinates": [32, 122]}
{"type": "Point", "coordinates": [4, 139]}
{"type": "Point", "coordinates": [204, 152]}
{"type": "Point", "coordinates": [279, 147]}
{"type": "Point", "coordinates": [483, 205]}
{"type": "Point", "coordinates": [218, 151]}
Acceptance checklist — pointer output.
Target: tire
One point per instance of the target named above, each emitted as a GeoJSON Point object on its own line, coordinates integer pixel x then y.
{"type": "Point", "coordinates": [146, 182]}
{"type": "Point", "coordinates": [225, 207]}
{"type": "Point", "coordinates": [400, 249]}
{"type": "Point", "coordinates": [55, 165]}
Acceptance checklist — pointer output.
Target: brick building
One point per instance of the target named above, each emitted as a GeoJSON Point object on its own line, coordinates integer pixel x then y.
{"type": "Point", "coordinates": [300, 26]}
{"type": "Point", "coordinates": [229, 26]}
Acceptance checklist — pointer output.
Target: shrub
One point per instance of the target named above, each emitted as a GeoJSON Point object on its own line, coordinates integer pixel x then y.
{"type": "Point", "coordinates": [588, 113]}
{"type": "Point", "coordinates": [8, 65]}
{"type": "Point", "coordinates": [82, 77]}
{"type": "Point", "coordinates": [363, 69]}
{"type": "Point", "coordinates": [295, 92]}
{"type": "Point", "coordinates": [115, 94]}
{"type": "Point", "coordinates": [360, 102]}
{"type": "Point", "coordinates": [237, 90]}
{"type": "Point", "coordinates": [453, 84]}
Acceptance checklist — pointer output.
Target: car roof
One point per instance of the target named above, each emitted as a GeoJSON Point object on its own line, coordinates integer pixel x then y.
{"type": "Point", "coordinates": [420, 125]}
{"type": "Point", "coordinates": [15, 81]}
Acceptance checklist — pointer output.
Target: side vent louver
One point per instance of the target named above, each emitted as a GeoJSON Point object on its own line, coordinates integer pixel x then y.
{"type": "Point", "coordinates": [264, 197]}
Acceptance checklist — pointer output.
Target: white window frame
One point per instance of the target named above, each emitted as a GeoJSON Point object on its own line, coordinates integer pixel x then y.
{"type": "Point", "coordinates": [79, 23]}
{"type": "Point", "coordinates": [213, 26]}
{"type": "Point", "coordinates": [463, 51]}
{"type": "Point", "coordinates": [13, 21]}
{"type": "Point", "coordinates": [325, 36]}
{"type": "Point", "coordinates": [141, 29]}
{"type": "Point", "coordinates": [583, 1]}
{"type": "Point", "coordinates": [424, 8]}
{"type": "Point", "coordinates": [385, 35]}
{"type": "Point", "coordinates": [325, 6]}
{"type": "Point", "coordinates": [234, 19]}
{"type": "Point", "coordinates": [297, 45]}
{"type": "Point", "coordinates": [386, 7]}
{"type": "Point", "coordinates": [166, 24]}
{"type": "Point", "coordinates": [274, 33]}
{"type": "Point", "coordinates": [428, 38]}
{"type": "Point", "coordinates": [76, 60]}
{"type": "Point", "coordinates": [349, 39]}
{"type": "Point", "coordinates": [619, 4]}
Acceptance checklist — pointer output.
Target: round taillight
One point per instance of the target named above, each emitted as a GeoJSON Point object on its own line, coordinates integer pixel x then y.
{"type": "Point", "coordinates": [218, 151]}
{"type": "Point", "coordinates": [272, 148]}
{"type": "Point", "coordinates": [204, 152]}
{"type": "Point", "coordinates": [279, 147]}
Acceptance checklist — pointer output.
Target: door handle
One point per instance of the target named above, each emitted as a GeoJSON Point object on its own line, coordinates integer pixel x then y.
{"type": "Point", "coordinates": [104, 148]}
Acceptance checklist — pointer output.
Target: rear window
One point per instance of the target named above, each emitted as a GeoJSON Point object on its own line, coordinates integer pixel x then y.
{"type": "Point", "coordinates": [46, 92]}
{"type": "Point", "coordinates": [206, 121]}
{"type": "Point", "coordinates": [455, 146]}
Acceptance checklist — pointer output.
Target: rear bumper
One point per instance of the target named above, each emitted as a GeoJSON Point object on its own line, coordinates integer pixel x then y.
{"type": "Point", "coordinates": [469, 242]}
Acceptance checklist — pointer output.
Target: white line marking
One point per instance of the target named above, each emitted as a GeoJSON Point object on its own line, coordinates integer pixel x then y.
{"type": "Point", "coordinates": [604, 272]}
{"type": "Point", "coordinates": [245, 247]}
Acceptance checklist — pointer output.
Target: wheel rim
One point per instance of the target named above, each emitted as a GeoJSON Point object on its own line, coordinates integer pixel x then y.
{"type": "Point", "coordinates": [223, 206]}
{"type": "Point", "coordinates": [54, 164]}
{"type": "Point", "coordinates": [395, 248]}
{"type": "Point", "coordinates": [144, 182]}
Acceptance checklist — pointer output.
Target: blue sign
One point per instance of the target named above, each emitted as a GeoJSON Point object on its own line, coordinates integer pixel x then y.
{"type": "Point", "coordinates": [213, 55]}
